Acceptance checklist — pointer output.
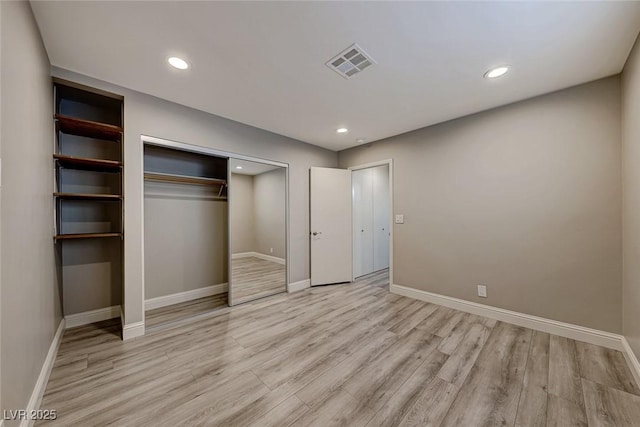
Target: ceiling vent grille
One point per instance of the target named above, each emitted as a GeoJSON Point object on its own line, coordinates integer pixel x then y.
{"type": "Point", "coordinates": [350, 62]}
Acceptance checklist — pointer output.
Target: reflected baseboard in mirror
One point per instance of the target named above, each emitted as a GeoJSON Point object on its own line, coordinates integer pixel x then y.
{"type": "Point", "coordinates": [255, 277]}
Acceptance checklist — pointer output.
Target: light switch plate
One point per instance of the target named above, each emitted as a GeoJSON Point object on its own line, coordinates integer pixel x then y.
{"type": "Point", "coordinates": [400, 219]}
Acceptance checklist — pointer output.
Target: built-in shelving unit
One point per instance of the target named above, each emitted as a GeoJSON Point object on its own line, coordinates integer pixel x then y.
{"type": "Point", "coordinates": [88, 196]}
{"type": "Point", "coordinates": [88, 161]}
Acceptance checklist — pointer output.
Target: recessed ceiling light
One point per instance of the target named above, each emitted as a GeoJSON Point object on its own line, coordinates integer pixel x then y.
{"type": "Point", "coordinates": [238, 167]}
{"type": "Point", "coordinates": [360, 140]}
{"type": "Point", "coordinates": [496, 72]}
{"type": "Point", "coordinates": [342, 130]}
{"type": "Point", "coordinates": [178, 63]}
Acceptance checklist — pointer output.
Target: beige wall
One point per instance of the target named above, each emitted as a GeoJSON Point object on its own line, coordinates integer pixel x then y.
{"type": "Point", "coordinates": [243, 231]}
{"type": "Point", "coordinates": [30, 298]}
{"type": "Point", "coordinates": [631, 196]}
{"type": "Point", "coordinates": [185, 239]}
{"type": "Point", "coordinates": [270, 216]}
{"type": "Point", "coordinates": [525, 199]}
{"type": "Point", "coordinates": [147, 115]}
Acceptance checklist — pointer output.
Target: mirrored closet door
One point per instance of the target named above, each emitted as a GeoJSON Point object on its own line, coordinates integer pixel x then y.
{"type": "Point", "coordinates": [258, 223]}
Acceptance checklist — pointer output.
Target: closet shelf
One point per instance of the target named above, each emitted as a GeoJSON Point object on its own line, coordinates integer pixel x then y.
{"type": "Point", "coordinates": [82, 196]}
{"type": "Point", "coordinates": [85, 236]}
{"type": "Point", "coordinates": [86, 163]}
{"type": "Point", "coordinates": [81, 127]}
{"type": "Point", "coordinates": [183, 179]}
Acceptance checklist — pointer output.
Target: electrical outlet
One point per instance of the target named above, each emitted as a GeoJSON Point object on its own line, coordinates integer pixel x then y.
{"type": "Point", "coordinates": [400, 219]}
{"type": "Point", "coordinates": [482, 291]}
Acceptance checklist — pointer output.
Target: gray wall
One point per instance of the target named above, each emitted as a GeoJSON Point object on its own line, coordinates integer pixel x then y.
{"type": "Point", "coordinates": [243, 230]}
{"type": "Point", "coordinates": [270, 216]}
{"type": "Point", "coordinates": [631, 195]}
{"type": "Point", "coordinates": [185, 239]}
{"type": "Point", "coordinates": [525, 199]}
{"type": "Point", "coordinates": [147, 115]}
{"type": "Point", "coordinates": [30, 299]}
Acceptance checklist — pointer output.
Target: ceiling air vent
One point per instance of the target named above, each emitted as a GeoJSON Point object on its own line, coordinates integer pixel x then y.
{"type": "Point", "coordinates": [350, 61]}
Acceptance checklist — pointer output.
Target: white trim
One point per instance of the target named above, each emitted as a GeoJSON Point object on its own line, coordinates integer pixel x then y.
{"type": "Point", "coordinates": [93, 316]}
{"type": "Point", "coordinates": [43, 378]}
{"type": "Point", "coordinates": [258, 255]}
{"type": "Point", "coordinates": [185, 296]}
{"type": "Point", "coordinates": [132, 330]}
{"type": "Point", "coordinates": [567, 330]}
{"type": "Point", "coordinates": [299, 286]}
{"type": "Point", "coordinates": [632, 360]}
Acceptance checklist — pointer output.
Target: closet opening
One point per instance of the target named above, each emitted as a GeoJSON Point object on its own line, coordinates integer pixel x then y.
{"type": "Point", "coordinates": [185, 234]}
{"type": "Point", "coordinates": [215, 231]}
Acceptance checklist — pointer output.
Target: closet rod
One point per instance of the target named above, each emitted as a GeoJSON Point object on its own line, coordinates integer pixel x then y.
{"type": "Point", "coordinates": [183, 179]}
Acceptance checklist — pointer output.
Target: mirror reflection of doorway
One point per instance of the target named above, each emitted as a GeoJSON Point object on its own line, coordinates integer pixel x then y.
{"type": "Point", "coordinates": [257, 212]}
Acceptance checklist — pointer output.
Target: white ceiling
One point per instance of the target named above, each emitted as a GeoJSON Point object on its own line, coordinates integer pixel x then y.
{"type": "Point", "coordinates": [262, 63]}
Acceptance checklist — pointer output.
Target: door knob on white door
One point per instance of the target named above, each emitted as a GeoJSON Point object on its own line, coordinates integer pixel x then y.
{"type": "Point", "coordinates": [315, 233]}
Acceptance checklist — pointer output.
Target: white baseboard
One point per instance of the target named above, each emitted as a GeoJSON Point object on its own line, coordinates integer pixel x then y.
{"type": "Point", "coordinates": [632, 360]}
{"type": "Point", "coordinates": [43, 378]}
{"type": "Point", "coordinates": [166, 300]}
{"type": "Point", "coordinates": [299, 286]}
{"type": "Point", "coordinates": [258, 255]}
{"type": "Point", "coordinates": [93, 316]}
{"type": "Point", "coordinates": [567, 330]}
{"type": "Point", "coordinates": [132, 330]}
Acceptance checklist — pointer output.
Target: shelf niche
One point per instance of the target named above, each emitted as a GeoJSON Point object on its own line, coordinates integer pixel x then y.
{"type": "Point", "coordinates": [88, 200]}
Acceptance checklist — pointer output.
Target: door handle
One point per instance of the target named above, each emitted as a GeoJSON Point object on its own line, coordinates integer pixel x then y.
{"type": "Point", "coordinates": [315, 233]}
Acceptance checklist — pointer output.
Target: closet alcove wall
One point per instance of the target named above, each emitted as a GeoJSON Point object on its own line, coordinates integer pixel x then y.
{"type": "Point", "coordinates": [185, 225]}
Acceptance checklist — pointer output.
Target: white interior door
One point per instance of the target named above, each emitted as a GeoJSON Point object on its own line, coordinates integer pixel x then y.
{"type": "Point", "coordinates": [363, 227]}
{"type": "Point", "coordinates": [381, 214]}
{"type": "Point", "coordinates": [331, 222]}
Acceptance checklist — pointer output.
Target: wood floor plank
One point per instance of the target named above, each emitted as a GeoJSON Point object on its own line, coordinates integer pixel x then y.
{"type": "Point", "coordinates": [605, 366]}
{"type": "Point", "coordinates": [607, 406]}
{"type": "Point", "coordinates": [339, 409]}
{"type": "Point", "coordinates": [375, 384]}
{"type": "Point", "coordinates": [565, 413]}
{"type": "Point", "coordinates": [491, 392]}
{"type": "Point", "coordinates": [432, 405]}
{"type": "Point", "coordinates": [411, 392]}
{"type": "Point", "coordinates": [326, 384]}
{"type": "Point", "coordinates": [564, 371]}
{"type": "Point", "coordinates": [532, 408]}
{"type": "Point", "coordinates": [458, 366]}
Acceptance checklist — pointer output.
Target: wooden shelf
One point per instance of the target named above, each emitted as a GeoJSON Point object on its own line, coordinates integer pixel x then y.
{"type": "Point", "coordinates": [85, 236]}
{"type": "Point", "coordinates": [86, 163]}
{"type": "Point", "coordinates": [80, 127]}
{"type": "Point", "coordinates": [81, 196]}
{"type": "Point", "coordinates": [182, 179]}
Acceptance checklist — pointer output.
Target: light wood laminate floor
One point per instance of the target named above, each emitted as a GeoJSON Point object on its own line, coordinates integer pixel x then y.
{"type": "Point", "coordinates": [254, 278]}
{"type": "Point", "coordinates": [184, 310]}
{"type": "Point", "coordinates": [351, 355]}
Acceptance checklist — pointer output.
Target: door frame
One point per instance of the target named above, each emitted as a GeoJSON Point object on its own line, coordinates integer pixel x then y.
{"type": "Point", "coordinates": [388, 162]}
